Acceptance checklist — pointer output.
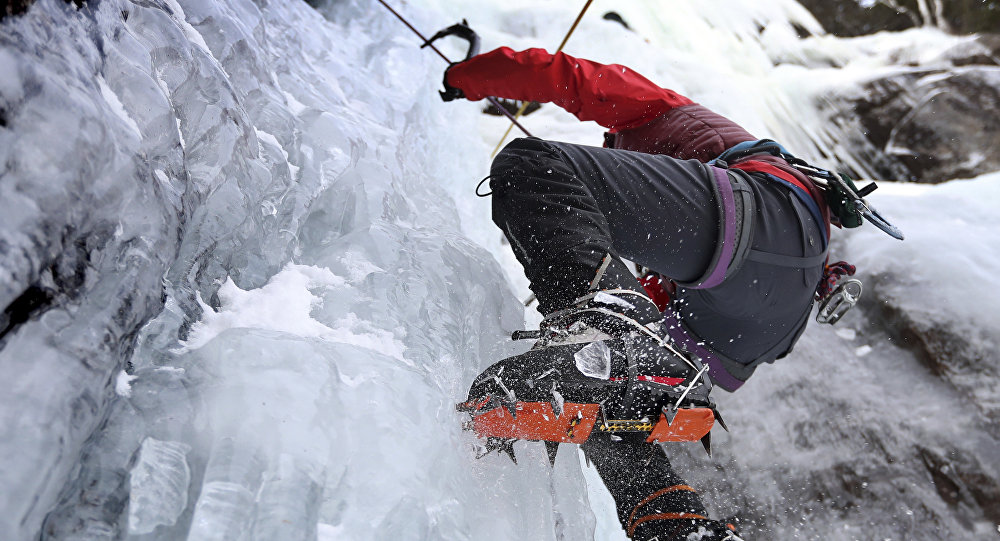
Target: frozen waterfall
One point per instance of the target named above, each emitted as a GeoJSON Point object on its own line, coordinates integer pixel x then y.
{"type": "Point", "coordinates": [247, 280]}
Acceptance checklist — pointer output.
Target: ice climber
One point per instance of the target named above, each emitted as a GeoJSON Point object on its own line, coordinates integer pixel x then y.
{"type": "Point", "coordinates": [741, 246]}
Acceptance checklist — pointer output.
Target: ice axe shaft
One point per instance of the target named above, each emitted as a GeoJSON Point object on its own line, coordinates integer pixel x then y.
{"type": "Point", "coordinates": [427, 43]}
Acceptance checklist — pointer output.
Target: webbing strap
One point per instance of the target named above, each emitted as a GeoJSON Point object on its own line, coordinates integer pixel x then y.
{"type": "Point", "coordinates": [655, 495]}
{"type": "Point", "coordinates": [663, 516]}
{"type": "Point", "coordinates": [600, 272]}
{"type": "Point", "coordinates": [725, 254]}
{"type": "Point", "coordinates": [747, 149]}
{"type": "Point", "coordinates": [782, 260]}
{"type": "Point", "coordinates": [581, 302]}
{"type": "Point", "coordinates": [642, 328]}
{"type": "Point", "coordinates": [806, 199]}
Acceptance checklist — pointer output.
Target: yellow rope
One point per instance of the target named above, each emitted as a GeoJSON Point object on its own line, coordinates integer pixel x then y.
{"type": "Point", "coordinates": [525, 104]}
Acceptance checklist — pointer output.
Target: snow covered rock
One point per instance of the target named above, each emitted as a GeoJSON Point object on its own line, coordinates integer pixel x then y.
{"type": "Point", "coordinates": [933, 125]}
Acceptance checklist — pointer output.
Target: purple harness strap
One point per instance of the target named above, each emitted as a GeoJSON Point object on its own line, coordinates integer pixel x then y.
{"type": "Point", "coordinates": [725, 254]}
{"type": "Point", "coordinates": [720, 376]}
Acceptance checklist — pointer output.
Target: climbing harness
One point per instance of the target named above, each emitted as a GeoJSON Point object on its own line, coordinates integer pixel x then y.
{"type": "Point", "coordinates": [846, 201]}
{"type": "Point", "coordinates": [463, 31]}
{"type": "Point", "coordinates": [525, 105]}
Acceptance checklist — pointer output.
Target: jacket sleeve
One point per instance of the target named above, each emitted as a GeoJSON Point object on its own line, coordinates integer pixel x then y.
{"type": "Point", "coordinates": [611, 95]}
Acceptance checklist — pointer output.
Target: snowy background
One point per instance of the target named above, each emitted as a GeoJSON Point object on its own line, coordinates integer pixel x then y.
{"type": "Point", "coordinates": [246, 279]}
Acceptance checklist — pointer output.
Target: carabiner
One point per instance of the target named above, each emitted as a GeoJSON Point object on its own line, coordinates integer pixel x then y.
{"type": "Point", "coordinates": [836, 304]}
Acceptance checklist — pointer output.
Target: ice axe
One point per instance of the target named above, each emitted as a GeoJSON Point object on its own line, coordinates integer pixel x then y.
{"type": "Point", "coordinates": [473, 49]}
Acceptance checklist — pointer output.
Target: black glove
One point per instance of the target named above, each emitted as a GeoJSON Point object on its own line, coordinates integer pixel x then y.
{"type": "Point", "coordinates": [450, 92]}
{"type": "Point", "coordinates": [463, 31]}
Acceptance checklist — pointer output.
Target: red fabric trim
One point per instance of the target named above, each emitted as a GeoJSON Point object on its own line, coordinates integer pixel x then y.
{"type": "Point", "coordinates": [658, 290]}
{"type": "Point", "coordinates": [754, 165]}
{"type": "Point", "coordinates": [761, 167]}
{"type": "Point", "coordinates": [612, 95]}
{"type": "Point", "coordinates": [664, 380]}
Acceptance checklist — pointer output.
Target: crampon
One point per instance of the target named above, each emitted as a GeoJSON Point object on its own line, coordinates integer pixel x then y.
{"type": "Point", "coordinates": [566, 393]}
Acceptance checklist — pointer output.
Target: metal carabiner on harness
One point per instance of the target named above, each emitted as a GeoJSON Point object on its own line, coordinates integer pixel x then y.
{"type": "Point", "coordinates": [836, 304]}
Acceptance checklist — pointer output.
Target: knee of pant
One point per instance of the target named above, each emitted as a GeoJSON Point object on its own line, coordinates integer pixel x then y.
{"type": "Point", "coordinates": [524, 163]}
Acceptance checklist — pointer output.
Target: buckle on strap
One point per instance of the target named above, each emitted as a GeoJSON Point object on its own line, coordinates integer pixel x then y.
{"type": "Point", "coordinates": [836, 304]}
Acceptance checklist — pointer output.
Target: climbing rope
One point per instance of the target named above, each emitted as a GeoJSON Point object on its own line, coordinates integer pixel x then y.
{"type": "Point", "coordinates": [525, 104]}
{"type": "Point", "coordinates": [429, 43]}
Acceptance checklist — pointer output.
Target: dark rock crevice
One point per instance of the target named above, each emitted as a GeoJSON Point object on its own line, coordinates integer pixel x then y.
{"type": "Point", "coordinates": [927, 126]}
{"type": "Point", "coordinates": [18, 7]}
{"type": "Point", "coordinates": [511, 106]}
{"type": "Point", "coordinates": [961, 482]}
{"type": "Point", "coordinates": [61, 281]}
{"type": "Point", "coordinates": [849, 18]}
{"type": "Point", "coordinates": [33, 300]}
{"type": "Point", "coordinates": [947, 352]}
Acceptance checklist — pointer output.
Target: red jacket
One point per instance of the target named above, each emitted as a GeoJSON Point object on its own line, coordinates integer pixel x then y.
{"type": "Point", "coordinates": [640, 115]}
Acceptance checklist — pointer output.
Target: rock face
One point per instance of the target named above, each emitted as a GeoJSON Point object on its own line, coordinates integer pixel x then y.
{"type": "Point", "coordinates": [851, 18]}
{"type": "Point", "coordinates": [848, 18]}
{"type": "Point", "coordinates": [957, 351]}
{"type": "Point", "coordinates": [925, 120]}
{"type": "Point", "coordinates": [933, 126]}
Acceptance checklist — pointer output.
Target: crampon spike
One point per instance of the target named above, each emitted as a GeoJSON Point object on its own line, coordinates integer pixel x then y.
{"type": "Point", "coordinates": [508, 447]}
{"type": "Point", "coordinates": [718, 418]}
{"type": "Point", "coordinates": [669, 413]}
{"type": "Point", "coordinates": [706, 442]}
{"type": "Point", "coordinates": [551, 448]}
{"type": "Point", "coordinates": [500, 445]}
{"type": "Point", "coordinates": [512, 409]}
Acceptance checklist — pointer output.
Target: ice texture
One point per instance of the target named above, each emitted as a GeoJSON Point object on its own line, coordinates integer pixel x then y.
{"type": "Point", "coordinates": [244, 207]}
{"type": "Point", "coordinates": [158, 485]}
{"type": "Point", "coordinates": [245, 281]}
{"type": "Point", "coordinates": [594, 360]}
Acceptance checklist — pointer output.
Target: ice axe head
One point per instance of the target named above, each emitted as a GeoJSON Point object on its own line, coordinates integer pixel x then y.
{"type": "Point", "coordinates": [461, 30]}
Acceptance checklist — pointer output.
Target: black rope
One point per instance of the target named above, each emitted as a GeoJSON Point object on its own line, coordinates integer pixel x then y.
{"type": "Point", "coordinates": [480, 185]}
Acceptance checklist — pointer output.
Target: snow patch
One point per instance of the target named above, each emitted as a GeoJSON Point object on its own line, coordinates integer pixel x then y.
{"type": "Point", "coordinates": [358, 266]}
{"type": "Point", "coordinates": [846, 333]}
{"type": "Point", "coordinates": [293, 104]}
{"type": "Point", "coordinates": [284, 304]}
{"type": "Point", "coordinates": [613, 300]}
{"type": "Point", "coordinates": [116, 106]}
{"type": "Point", "coordinates": [189, 31]}
{"type": "Point", "coordinates": [123, 384]}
